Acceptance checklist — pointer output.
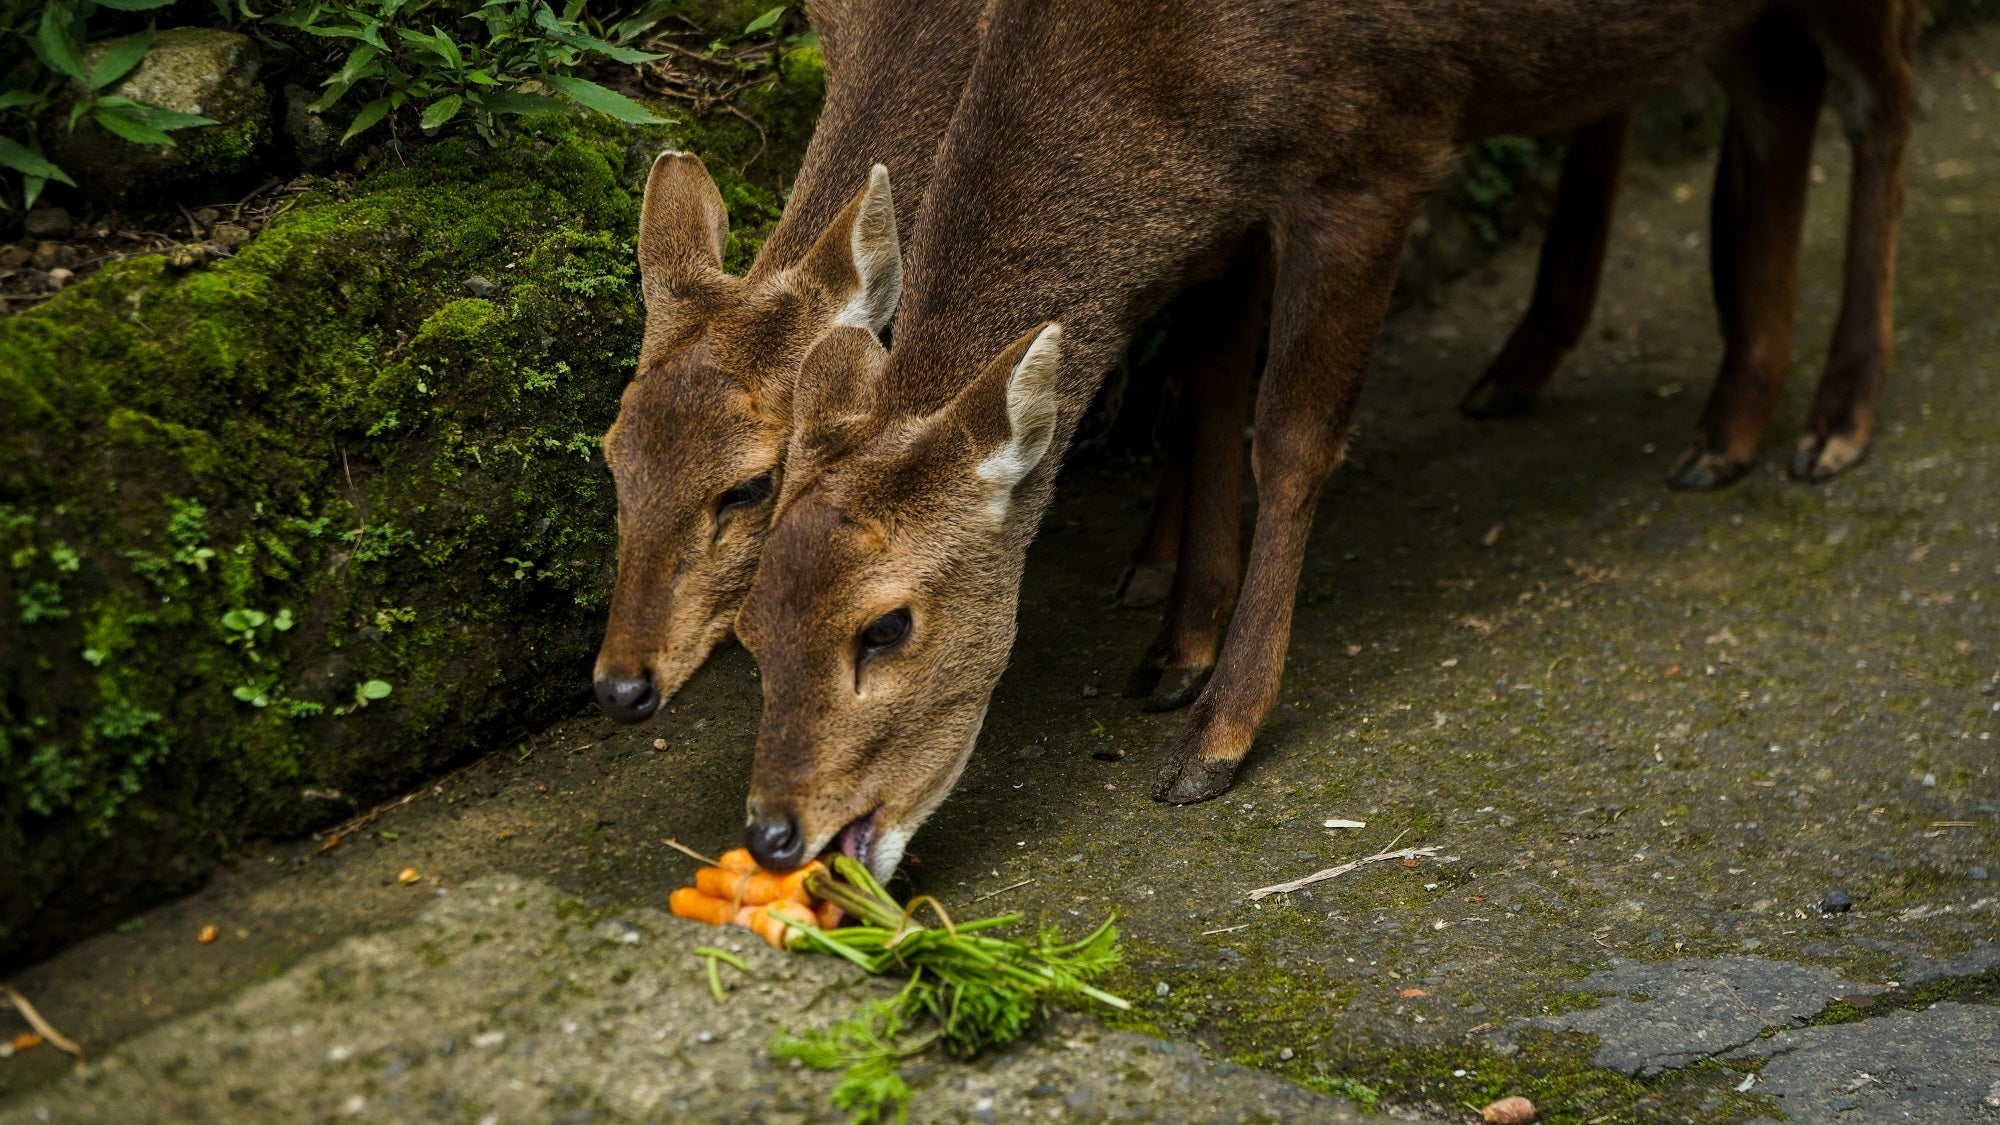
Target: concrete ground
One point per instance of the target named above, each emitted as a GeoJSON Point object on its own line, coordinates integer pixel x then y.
{"type": "Point", "coordinates": [1657, 739]}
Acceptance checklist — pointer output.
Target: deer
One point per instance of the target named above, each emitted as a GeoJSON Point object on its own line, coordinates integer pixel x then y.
{"type": "Point", "coordinates": [1103, 156]}
{"type": "Point", "coordinates": [697, 450]}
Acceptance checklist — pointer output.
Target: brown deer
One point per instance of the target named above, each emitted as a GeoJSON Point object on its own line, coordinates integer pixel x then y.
{"type": "Point", "coordinates": [1105, 155]}
{"type": "Point", "coordinates": [697, 446]}
{"type": "Point", "coordinates": [697, 449]}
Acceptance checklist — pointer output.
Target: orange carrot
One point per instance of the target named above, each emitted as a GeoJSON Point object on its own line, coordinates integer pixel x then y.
{"type": "Point", "coordinates": [688, 902]}
{"type": "Point", "coordinates": [828, 915]}
{"type": "Point", "coordinates": [756, 887]}
{"type": "Point", "coordinates": [770, 924]}
{"type": "Point", "coordinates": [738, 860]}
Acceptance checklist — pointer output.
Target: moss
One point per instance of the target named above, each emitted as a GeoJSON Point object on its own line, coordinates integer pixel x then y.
{"type": "Point", "coordinates": [242, 494]}
{"type": "Point", "coordinates": [222, 151]}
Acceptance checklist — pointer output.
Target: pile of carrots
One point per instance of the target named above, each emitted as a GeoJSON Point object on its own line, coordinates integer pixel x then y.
{"type": "Point", "coordinates": [736, 890]}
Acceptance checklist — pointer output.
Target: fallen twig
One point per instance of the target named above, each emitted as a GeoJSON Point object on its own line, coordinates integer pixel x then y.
{"type": "Point", "coordinates": [42, 1027]}
{"type": "Point", "coordinates": [1336, 872]}
{"type": "Point", "coordinates": [1002, 890]}
{"type": "Point", "coordinates": [1225, 930]}
{"type": "Point", "coordinates": [690, 852]}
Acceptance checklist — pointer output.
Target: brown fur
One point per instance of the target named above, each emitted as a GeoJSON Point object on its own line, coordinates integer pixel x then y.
{"type": "Point", "coordinates": [710, 407]}
{"type": "Point", "coordinates": [1105, 155]}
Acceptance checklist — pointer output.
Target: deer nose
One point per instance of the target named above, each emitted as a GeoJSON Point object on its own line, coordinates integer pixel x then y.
{"type": "Point", "coordinates": [628, 700]}
{"type": "Point", "coordinates": [775, 842]}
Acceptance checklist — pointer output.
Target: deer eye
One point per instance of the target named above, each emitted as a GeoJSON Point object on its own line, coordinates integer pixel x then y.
{"type": "Point", "coordinates": [743, 495]}
{"type": "Point", "coordinates": [884, 632]}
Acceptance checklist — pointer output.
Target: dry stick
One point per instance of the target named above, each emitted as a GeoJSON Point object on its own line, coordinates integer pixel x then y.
{"type": "Point", "coordinates": [1336, 872]}
{"type": "Point", "coordinates": [55, 1038]}
{"type": "Point", "coordinates": [1002, 890]}
{"type": "Point", "coordinates": [691, 853]}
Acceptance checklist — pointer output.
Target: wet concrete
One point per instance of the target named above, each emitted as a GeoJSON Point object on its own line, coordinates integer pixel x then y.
{"type": "Point", "coordinates": [1644, 729]}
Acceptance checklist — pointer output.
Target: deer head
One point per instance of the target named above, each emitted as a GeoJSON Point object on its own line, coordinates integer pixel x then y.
{"type": "Point", "coordinates": [883, 611]}
{"type": "Point", "coordinates": [697, 449]}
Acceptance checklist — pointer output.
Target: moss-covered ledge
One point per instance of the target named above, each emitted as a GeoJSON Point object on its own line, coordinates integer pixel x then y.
{"type": "Point", "coordinates": [285, 533]}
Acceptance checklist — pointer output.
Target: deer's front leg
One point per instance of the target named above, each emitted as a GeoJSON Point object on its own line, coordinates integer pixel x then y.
{"type": "Point", "coordinates": [1335, 267]}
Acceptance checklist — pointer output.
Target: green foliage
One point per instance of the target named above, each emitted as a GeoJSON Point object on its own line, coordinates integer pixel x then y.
{"type": "Point", "coordinates": [968, 989]}
{"type": "Point", "coordinates": [458, 59]}
{"type": "Point", "coordinates": [187, 460]}
{"type": "Point", "coordinates": [42, 49]}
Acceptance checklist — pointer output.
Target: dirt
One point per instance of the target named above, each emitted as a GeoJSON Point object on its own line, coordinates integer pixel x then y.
{"type": "Point", "coordinates": [1643, 728]}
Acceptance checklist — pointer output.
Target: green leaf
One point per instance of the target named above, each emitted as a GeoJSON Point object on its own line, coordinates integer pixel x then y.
{"type": "Point", "coordinates": [117, 62]}
{"type": "Point", "coordinates": [11, 98]}
{"type": "Point", "coordinates": [447, 49]}
{"type": "Point", "coordinates": [160, 117]}
{"type": "Point", "coordinates": [356, 67]}
{"type": "Point", "coordinates": [371, 113]}
{"type": "Point", "coordinates": [516, 103]}
{"type": "Point", "coordinates": [115, 120]}
{"type": "Point", "coordinates": [134, 5]}
{"type": "Point", "coordinates": [242, 620]}
{"type": "Point", "coordinates": [607, 102]}
{"type": "Point", "coordinates": [28, 162]}
{"type": "Point", "coordinates": [439, 112]}
{"type": "Point", "coordinates": [56, 46]}
{"type": "Point", "coordinates": [557, 31]}
{"type": "Point", "coordinates": [375, 689]}
{"type": "Point", "coordinates": [764, 21]}
{"type": "Point", "coordinates": [331, 98]}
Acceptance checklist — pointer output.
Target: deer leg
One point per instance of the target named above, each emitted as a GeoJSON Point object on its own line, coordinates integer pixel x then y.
{"type": "Point", "coordinates": [1868, 48]}
{"type": "Point", "coordinates": [1335, 266]}
{"type": "Point", "coordinates": [1150, 574]}
{"type": "Point", "coordinates": [1566, 277]}
{"type": "Point", "coordinates": [1210, 550]}
{"type": "Point", "coordinates": [1775, 82]}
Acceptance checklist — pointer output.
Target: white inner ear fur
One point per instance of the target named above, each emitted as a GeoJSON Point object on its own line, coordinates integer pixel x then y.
{"type": "Point", "coordinates": [1031, 415]}
{"type": "Point", "coordinates": [878, 258]}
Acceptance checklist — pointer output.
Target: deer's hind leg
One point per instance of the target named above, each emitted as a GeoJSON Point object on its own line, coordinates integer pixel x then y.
{"type": "Point", "coordinates": [1150, 574]}
{"type": "Point", "coordinates": [1868, 47]}
{"type": "Point", "coordinates": [1775, 82]}
{"type": "Point", "coordinates": [1566, 276]}
{"type": "Point", "coordinates": [1224, 326]}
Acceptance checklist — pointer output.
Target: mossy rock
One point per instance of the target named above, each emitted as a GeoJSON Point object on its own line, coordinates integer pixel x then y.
{"type": "Point", "coordinates": [283, 535]}
{"type": "Point", "coordinates": [200, 70]}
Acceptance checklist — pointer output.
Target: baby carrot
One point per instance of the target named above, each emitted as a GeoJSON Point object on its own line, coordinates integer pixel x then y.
{"type": "Point", "coordinates": [771, 925]}
{"type": "Point", "coordinates": [828, 915]}
{"type": "Point", "coordinates": [687, 902]}
{"type": "Point", "coordinates": [738, 860]}
{"type": "Point", "coordinates": [756, 887]}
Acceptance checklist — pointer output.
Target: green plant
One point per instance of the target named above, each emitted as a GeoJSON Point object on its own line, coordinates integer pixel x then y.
{"type": "Point", "coordinates": [968, 989]}
{"type": "Point", "coordinates": [418, 53]}
{"type": "Point", "coordinates": [44, 50]}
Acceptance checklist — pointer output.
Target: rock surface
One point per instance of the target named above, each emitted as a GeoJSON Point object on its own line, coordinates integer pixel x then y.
{"type": "Point", "coordinates": [1939, 1066]}
{"type": "Point", "coordinates": [505, 1002]}
{"type": "Point", "coordinates": [204, 71]}
{"type": "Point", "coordinates": [1666, 1014]}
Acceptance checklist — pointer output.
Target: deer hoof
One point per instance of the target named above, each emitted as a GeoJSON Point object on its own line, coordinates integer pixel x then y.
{"type": "Point", "coordinates": [1176, 687]}
{"type": "Point", "coordinates": [1195, 780]}
{"type": "Point", "coordinates": [1489, 399]}
{"type": "Point", "coordinates": [1143, 679]}
{"type": "Point", "coordinates": [1702, 471]}
{"type": "Point", "coordinates": [1145, 585]}
{"type": "Point", "coordinates": [1819, 457]}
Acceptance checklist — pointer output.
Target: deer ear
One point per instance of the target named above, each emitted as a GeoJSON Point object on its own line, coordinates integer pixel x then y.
{"type": "Point", "coordinates": [1010, 412]}
{"type": "Point", "coordinates": [858, 259]}
{"type": "Point", "coordinates": [833, 405]}
{"type": "Point", "coordinates": [683, 227]}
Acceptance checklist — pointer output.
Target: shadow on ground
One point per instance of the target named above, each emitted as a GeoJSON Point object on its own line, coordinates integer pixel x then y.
{"type": "Point", "coordinates": [1650, 733]}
